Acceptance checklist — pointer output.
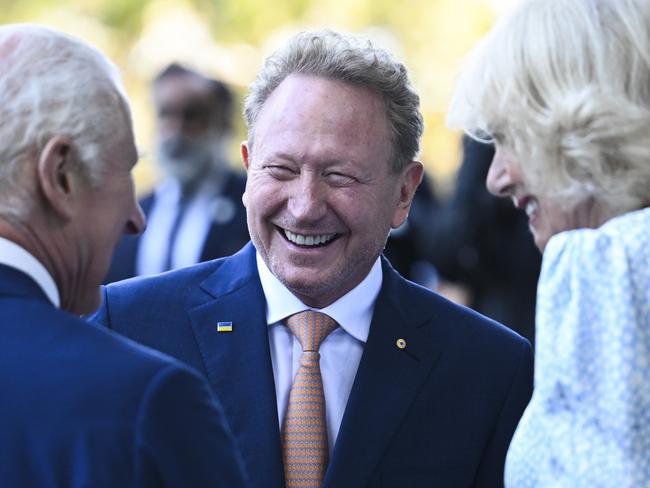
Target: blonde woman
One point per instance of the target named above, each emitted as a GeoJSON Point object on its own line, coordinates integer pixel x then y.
{"type": "Point", "coordinates": [563, 89]}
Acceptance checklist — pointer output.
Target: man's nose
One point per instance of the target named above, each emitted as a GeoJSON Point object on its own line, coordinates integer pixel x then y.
{"type": "Point", "coordinates": [136, 222]}
{"type": "Point", "coordinates": [309, 200]}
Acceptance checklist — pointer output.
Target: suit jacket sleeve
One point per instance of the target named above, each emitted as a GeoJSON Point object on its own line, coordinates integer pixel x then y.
{"type": "Point", "coordinates": [181, 436]}
{"type": "Point", "coordinates": [490, 472]}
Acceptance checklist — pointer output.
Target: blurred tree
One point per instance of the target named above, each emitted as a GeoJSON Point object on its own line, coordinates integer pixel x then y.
{"type": "Point", "coordinates": [430, 36]}
{"type": "Point", "coordinates": [124, 16]}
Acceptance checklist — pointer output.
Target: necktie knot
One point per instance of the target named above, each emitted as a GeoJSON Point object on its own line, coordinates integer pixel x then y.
{"type": "Point", "coordinates": [311, 328]}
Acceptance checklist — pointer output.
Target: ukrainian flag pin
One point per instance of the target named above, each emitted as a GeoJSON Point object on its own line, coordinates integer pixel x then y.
{"type": "Point", "coordinates": [224, 326]}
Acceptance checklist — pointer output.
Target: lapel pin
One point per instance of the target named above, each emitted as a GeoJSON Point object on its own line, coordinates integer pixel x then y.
{"type": "Point", "coordinates": [400, 343]}
{"type": "Point", "coordinates": [224, 326]}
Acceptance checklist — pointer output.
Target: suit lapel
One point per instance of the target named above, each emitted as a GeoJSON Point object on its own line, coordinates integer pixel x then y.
{"type": "Point", "coordinates": [238, 363]}
{"type": "Point", "coordinates": [387, 382]}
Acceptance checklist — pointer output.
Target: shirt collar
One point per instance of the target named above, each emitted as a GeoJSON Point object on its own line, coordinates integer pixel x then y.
{"type": "Point", "coordinates": [11, 254]}
{"type": "Point", "coordinates": [353, 311]}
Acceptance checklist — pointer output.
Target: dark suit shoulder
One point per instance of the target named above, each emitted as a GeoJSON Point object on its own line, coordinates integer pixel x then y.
{"type": "Point", "coordinates": [167, 285]}
{"type": "Point", "coordinates": [82, 396]}
{"type": "Point", "coordinates": [184, 285]}
{"type": "Point", "coordinates": [154, 309]}
{"type": "Point", "coordinates": [123, 362]}
{"type": "Point", "coordinates": [463, 321]}
{"type": "Point", "coordinates": [50, 357]}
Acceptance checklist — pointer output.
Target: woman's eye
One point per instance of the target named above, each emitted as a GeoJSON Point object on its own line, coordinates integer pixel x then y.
{"type": "Point", "coordinates": [499, 137]}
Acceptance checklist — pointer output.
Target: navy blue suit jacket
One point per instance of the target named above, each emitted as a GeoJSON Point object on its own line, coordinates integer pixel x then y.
{"type": "Point", "coordinates": [81, 406]}
{"type": "Point", "coordinates": [440, 412]}
{"type": "Point", "coordinates": [223, 239]}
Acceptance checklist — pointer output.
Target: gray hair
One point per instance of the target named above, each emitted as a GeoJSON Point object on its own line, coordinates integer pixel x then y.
{"type": "Point", "coordinates": [566, 85]}
{"type": "Point", "coordinates": [352, 60]}
{"type": "Point", "coordinates": [53, 84]}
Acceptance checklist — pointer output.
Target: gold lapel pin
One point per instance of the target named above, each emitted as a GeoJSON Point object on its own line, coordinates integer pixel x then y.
{"type": "Point", "coordinates": [400, 343]}
{"type": "Point", "coordinates": [224, 326]}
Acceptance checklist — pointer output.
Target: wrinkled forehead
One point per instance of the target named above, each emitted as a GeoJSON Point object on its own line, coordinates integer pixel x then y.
{"type": "Point", "coordinates": [323, 102]}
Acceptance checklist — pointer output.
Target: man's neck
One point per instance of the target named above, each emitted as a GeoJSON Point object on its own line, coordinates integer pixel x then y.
{"type": "Point", "coordinates": [28, 235]}
{"type": "Point", "coordinates": [17, 255]}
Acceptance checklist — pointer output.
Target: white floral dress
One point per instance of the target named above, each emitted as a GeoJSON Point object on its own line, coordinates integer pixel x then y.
{"type": "Point", "coordinates": [588, 423]}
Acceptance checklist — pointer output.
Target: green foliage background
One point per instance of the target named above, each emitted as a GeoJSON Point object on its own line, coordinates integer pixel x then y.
{"type": "Point", "coordinates": [229, 39]}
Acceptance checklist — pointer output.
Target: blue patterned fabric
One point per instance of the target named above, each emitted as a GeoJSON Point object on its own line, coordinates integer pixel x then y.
{"type": "Point", "coordinates": [588, 423]}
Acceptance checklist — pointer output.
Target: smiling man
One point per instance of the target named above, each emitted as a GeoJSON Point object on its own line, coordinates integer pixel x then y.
{"type": "Point", "coordinates": [321, 197]}
{"type": "Point", "coordinates": [333, 369]}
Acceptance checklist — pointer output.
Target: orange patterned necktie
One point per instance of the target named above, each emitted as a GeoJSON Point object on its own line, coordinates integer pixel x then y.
{"type": "Point", "coordinates": [305, 448]}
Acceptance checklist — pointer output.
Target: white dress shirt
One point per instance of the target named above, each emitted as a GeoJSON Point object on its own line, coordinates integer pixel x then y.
{"type": "Point", "coordinates": [192, 233]}
{"type": "Point", "coordinates": [340, 352]}
{"type": "Point", "coordinates": [11, 254]}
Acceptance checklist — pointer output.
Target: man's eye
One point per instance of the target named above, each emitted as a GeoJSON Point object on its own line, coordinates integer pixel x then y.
{"type": "Point", "coordinates": [339, 179]}
{"type": "Point", "coordinates": [278, 171]}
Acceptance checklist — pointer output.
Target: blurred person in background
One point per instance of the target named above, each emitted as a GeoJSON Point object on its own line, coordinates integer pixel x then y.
{"type": "Point", "coordinates": [195, 214]}
{"type": "Point", "coordinates": [482, 243]}
{"type": "Point", "coordinates": [563, 88]}
{"type": "Point", "coordinates": [335, 371]}
{"type": "Point", "coordinates": [82, 406]}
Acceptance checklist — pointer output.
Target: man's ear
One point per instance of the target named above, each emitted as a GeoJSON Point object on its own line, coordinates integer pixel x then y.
{"type": "Point", "coordinates": [56, 175]}
{"type": "Point", "coordinates": [245, 159]}
{"type": "Point", "coordinates": [245, 155]}
{"type": "Point", "coordinates": [409, 180]}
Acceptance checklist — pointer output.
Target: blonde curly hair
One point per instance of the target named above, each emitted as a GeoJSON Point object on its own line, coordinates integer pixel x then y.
{"type": "Point", "coordinates": [566, 86]}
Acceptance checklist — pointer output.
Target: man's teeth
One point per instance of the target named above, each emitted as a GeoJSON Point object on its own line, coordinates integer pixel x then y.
{"type": "Point", "coordinates": [308, 240]}
{"type": "Point", "coordinates": [531, 206]}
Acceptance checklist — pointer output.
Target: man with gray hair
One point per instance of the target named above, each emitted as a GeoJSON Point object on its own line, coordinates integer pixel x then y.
{"type": "Point", "coordinates": [80, 405]}
{"type": "Point", "coordinates": [335, 370]}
